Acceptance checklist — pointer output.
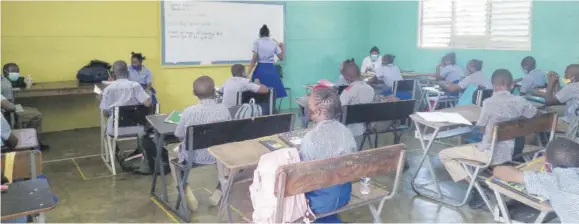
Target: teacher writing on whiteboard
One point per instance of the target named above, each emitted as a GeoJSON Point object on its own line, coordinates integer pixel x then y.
{"type": "Point", "coordinates": [264, 51]}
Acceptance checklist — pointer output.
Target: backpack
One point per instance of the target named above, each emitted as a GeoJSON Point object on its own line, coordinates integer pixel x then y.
{"type": "Point", "coordinates": [248, 110]}
{"type": "Point", "coordinates": [95, 71]}
{"type": "Point", "coordinates": [262, 190]}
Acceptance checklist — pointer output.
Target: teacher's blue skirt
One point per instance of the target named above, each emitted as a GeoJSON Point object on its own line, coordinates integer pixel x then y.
{"type": "Point", "coordinates": [269, 76]}
{"type": "Point", "coordinates": [153, 94]}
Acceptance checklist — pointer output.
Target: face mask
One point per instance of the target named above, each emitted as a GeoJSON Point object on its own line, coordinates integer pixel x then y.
{"type": "Point", "coordinates": [374, 57]}
{"type": "Point", "coordinates": [136, 67]}
{"type": "Point", "coordinates": [525, 71]}
{"type": "Point", "coordinates": [13, 76]}
{"type": "Point", "coordinates": [566, 81]}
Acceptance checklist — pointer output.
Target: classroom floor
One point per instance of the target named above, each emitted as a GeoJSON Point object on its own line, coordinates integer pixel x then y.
{"type": "Point", "coordinates": [88, 193]}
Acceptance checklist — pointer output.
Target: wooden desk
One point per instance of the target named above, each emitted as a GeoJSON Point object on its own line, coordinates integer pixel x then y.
{"type": "Point", "coordinates": [236, 157]}
{"type": "Point", "coordinates": [56, 89]}
{"type": "Point", "coordinates": [25, 198]}
{"type": "Point", "coordinates": [499, 190]}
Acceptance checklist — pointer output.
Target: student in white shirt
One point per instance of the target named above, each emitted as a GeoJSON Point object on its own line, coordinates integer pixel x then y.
{"type": "Point", "coordinates": [239, 83]}
{"type": "Point", "coordinates": [448, 70]}
{"type": "Point", "coordinates": [475, 77]}
{"type": "Point", "coordinates": [388, 72]}
{"type": "Point", "coordinates": [372, 62]}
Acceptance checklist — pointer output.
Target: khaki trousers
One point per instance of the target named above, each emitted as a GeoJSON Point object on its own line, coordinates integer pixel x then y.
{"type": "Point", "coordinates": [30, 118]}
{"type": "Point", "coordinates": [449, 157]}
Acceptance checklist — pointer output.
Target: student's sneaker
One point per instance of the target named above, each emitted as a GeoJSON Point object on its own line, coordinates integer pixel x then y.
{"type": "Point", "coordinates": [191, 199]}
{"type": "Point", "coordinates": [476, 201]}
{"type": "Point", "coordinates": [215, 198]}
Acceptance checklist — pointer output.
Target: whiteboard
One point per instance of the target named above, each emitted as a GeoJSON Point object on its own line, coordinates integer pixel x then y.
{"type": "Point", "coordinates": [199, 33]}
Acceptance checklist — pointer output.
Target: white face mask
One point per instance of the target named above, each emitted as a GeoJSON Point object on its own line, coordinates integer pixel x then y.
{"type": "Point", "coordinates": [13, 76]}
{"type": "Point", "coordinates": [374, 57]}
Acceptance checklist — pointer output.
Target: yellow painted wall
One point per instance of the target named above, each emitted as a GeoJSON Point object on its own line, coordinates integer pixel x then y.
{"type": "Point", "coordinates": [52, 40]}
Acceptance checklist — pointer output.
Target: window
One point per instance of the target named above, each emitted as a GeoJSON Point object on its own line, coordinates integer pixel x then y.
{"type": "Point", "coordinates": [475, 24]}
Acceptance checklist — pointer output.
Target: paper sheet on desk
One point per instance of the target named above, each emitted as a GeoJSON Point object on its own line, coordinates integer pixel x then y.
{"type": "Point", "coordinates": [26, 138]}
{"type": "Point", "coordinates": [18, 108]}
{"type": "Point", "coordinates": [454, 118]}
{"type": "Point", "coordinates": [97, 90]}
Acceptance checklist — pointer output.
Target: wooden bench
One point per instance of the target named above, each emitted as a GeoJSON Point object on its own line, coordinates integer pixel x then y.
{"type": "Point", "coordinates": [308, 176]}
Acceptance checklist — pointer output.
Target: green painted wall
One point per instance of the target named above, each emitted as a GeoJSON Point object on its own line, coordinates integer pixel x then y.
{"type": "Point", "coordinates": [555, 38]}
{"type": "Point", "coordinates": [320, 35]}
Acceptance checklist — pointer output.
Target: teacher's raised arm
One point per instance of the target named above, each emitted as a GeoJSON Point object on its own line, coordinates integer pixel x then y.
{"type": "Point", "coordinates": [264, 51]}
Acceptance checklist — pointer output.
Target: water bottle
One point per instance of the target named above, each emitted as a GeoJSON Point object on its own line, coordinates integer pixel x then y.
{"type": "Point", "coordinates": [365, 185]}
{"type": "Point", "coordinates": [28, 81]}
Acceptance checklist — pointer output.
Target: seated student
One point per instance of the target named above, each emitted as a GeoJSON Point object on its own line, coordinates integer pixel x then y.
{"type": "Point", "coordinates": [328, 138]}
{"type": "Point", "coordinates": [568, 95]}
{"type": "Point", "coordinates": [303, 101]}
{"type": "Point", "coordinates": [560, 184]}
{"type": "Point", "coordinates": [448, 70]}
{"type": "Point", "coordinates": [388, 73]}
{"type": "Point", "coordinates": [534, 78]}
{"type": "Point", "coordinates": [371, 62]}
{"type": "Point", "coordinates": [30, 117]}
{"type": "Point", "coordinates": [9, 140]}
{"type": "Point", "coordinates": [206, 111]}
{"type": "Point", "coordinates": [341, 80]}
{"type": "Point", "coordinates": [141, 74]}
{"type": "Point", "coordinates": [474, 77]}
{"type": "Point", "coordinates": [6, 105]}
{"type": "Point", "coordinates": [501, 106]}
{"type": "Point", "coordinates": [357, 92]}
{"type": "Point", "coordinates": [122, 92]}
{"type": "Point", "coordinates": [239, 83]}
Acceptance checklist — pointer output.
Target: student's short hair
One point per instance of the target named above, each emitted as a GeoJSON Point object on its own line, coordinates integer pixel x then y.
{"type": "Point", "coordinates": [374, 49]}
{"type": "Point", "coordinates": [264, 31]}
{"type": "Point", "coordinates": [530, 61]}
{"type": "Point", "coordinates": [476, 64]}
{"type": "Point", "coordinates": [502, 77]}
{"type": "Point", "coordinates": [6, 66]}
{"type": "Point", "coordinates": [563, 153]}
{"type": "Point", "coordinates": [328, 102]}
{"type": "Point", "coordinates": [451, 57]}
{"type": "Point", "coordinates": [237, 70]}
{"type": "Point", "coordinates": [204, 87]}
{"type": "Point", "coordinates": [120, 69]}
{"type": "Point", "coordinates": [389, 58]}
{"type": "Point", "coordinates": [138, 56]}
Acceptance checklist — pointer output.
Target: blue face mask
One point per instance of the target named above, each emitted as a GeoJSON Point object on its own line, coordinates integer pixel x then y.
{"type": "Point", "coordinates": [374, 57]}
{"type": "Point", "coordinates": [136, 67]}
{"type": "Point", "coordinates": [13, 76]}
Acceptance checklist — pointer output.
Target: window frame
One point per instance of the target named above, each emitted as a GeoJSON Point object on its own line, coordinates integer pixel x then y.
{"type": "Point", "coordinates": [488, 24]}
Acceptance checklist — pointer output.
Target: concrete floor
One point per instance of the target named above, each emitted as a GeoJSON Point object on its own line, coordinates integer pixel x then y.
{"type": "Point", "coordinates": [88, 193]}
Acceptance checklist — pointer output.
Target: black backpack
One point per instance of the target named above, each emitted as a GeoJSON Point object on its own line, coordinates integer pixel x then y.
{"type": "Point", "coordinates": [95, 71]}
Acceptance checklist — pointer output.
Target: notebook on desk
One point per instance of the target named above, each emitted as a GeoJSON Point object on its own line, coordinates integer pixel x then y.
{"type": "Point", "coordinates": [174, 117]}
{"type": "Point", "coordinates": [520, 188]}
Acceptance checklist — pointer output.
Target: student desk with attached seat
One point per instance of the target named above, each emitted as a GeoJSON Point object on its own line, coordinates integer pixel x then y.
{"type": "Point", "coordinates": [246, 156]}
{"type": "Point", "coordinates": [161, 130]}
{"type": "Point", "coordinates": [440, 130]}
{"type": "Point", "coordinates": [61, 88]}
{"type": "Point", "coordinates": [500, 190]}
{"type": "Point", "coordinates": [24, 198]}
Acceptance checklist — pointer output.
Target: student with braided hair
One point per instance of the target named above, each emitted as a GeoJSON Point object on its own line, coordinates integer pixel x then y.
{"type": "Point", "coordinates": [141, 74]}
